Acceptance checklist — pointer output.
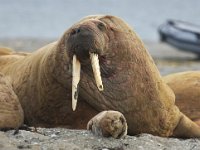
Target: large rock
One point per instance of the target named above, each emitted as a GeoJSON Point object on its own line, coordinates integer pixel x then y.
{"type": "Point", "coordinates": [65, 139]}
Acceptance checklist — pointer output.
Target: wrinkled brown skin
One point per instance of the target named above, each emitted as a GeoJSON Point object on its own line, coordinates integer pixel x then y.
{"type": "Point", "coordinates": [11, 113]}
{"type": "Point", "coordinates": [46, 101]}
{"type": "Point", "coordinates": [186, 86]}
{"type": "Point", "coordinates": [132, 82]}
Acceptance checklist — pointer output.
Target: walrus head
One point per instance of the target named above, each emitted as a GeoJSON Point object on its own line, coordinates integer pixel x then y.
{"type": "Point", "coordinates": [87, 37]}
{"type": "Point", "coordinates": [100, 42]}
{"type": "Point", "coordinates": [96, 45]}
{"type": "Point", "coordinates": [86, 43]}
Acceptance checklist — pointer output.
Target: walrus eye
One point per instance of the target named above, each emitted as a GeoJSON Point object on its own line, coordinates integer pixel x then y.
{"type": "Point", "coordinates": [101, 26]}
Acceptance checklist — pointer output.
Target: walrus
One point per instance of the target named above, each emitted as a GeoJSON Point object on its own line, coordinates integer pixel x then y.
{"type": "Point", "coordinates": [98, 64]}
{"type": "Point", "coordinates": [186, 86]}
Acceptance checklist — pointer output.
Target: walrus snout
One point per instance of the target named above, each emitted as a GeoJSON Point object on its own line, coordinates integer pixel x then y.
{"type": "Point", "coordinates": [81, 32]}
{"type": "Point", "coordinates": [83, 40]}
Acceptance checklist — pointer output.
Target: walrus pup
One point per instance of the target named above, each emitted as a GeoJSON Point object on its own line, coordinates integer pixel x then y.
{"type": "Point", "coordinates": [186, 86]}
{"type": "Point", "coordinates": [108, 123]}
{"type": "Point", "coordinates": [99, 64]}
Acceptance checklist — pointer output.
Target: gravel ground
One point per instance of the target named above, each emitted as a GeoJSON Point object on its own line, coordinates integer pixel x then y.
{"type": "Point", "coordinates": [168, 61]}
{"type": "Point", "coordinates": [64, 139]}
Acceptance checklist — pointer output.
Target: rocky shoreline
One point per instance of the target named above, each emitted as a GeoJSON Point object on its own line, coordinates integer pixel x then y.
{"type": "Point", "coordinates": [168, 61]}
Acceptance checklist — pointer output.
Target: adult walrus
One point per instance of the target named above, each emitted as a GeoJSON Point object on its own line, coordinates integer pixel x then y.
{"type": "Point", "coordinates": [45, 81]}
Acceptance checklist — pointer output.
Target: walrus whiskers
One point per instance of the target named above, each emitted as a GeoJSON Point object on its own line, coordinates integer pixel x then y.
{"type": "Point", "coordinates": [96, 70]}
{"type": "Point", "coordinates": [75, 81]}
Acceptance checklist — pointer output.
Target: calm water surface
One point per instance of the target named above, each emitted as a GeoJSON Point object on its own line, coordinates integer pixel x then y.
{"type": "Point", "coordinates": [50, 18]}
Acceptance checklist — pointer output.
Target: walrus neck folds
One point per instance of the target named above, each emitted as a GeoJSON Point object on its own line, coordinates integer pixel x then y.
{"type": "Point", "coordinates": [136, 83]}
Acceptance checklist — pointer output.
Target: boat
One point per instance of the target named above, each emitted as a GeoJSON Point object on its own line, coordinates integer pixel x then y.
{"type": "Point", "coordinates": [182, 35]}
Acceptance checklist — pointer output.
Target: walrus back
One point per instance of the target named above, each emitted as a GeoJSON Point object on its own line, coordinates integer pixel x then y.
{"type": "Point", "coordinates": [9, 51]}
{"type": "Point", "coordinates": [8, 56]}
{"type": "Point", "coordinates": [6, 51]}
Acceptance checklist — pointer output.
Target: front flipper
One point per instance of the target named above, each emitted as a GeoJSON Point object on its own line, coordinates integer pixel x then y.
{"type": "Point", "coordinates": [108, 123]}
{"type": "Point", "coordinates": [186, 128]}
{"type": "Point", "coordinates": [11, 113]}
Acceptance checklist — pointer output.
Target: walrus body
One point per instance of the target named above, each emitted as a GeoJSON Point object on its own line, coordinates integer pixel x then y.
{"type": "Point", "coordinates": [186, 86]}
{"type": "Point", "coordinates": [132, 84]}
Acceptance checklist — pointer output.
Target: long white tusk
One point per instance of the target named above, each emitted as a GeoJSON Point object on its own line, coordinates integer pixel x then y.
{"type": "Point", "coordinates": [75, 80]}
{"type": "Point", "coordinates": [96, 70]}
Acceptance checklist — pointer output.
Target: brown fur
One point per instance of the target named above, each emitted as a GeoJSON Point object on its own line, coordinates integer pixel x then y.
{"type": "Point", "coordinates": [45, 100]}
{"type": "Point", "coordinates": [5, 51]}
{"type": "Point", "coordinates": [186, 86]}
{"type": "Point", "coordinates": [132, 83]}
{"type": "Point", "coordinates": [11, 113]}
